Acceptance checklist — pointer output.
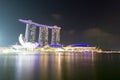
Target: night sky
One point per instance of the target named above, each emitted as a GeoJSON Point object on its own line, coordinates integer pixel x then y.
{"type": "Point", "coordinates": [94, 22]}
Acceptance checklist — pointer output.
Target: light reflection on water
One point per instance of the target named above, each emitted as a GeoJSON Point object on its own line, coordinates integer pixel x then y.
{"type": "Point", "coordinates": [51, 66]}
{"type": "Point", "coordinates": [24, 66]}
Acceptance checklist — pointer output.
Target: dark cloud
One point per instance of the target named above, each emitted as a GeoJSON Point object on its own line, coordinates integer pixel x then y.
{"type": "Point", "coordinates": [57, 16]}
{"type": "Point", "coordinates": [101, 38]}
{"type": "Point", "coordinates": [94, 37]}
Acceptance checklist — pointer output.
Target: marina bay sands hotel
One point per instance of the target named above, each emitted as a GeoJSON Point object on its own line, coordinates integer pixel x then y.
{"type": "Point", "coordinates": [30, 33]}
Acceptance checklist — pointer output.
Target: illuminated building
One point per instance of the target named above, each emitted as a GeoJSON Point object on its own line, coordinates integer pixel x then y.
{"type": "Point", "coordinates": [43, 39]}
{"type": "Point", "coordinates": [28, 43]}
{"type": "Point", "coordinates": [30, 33]}
{"type": "Point", "coordinates": [43, 33]}
{"type": "Point", "coordinates": [43, 36]}
{"type": "Point", "coordinates": [55, 35]}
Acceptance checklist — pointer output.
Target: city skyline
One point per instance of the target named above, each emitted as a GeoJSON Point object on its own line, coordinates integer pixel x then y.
{"type": "Point", "coordinates": [92, 22]}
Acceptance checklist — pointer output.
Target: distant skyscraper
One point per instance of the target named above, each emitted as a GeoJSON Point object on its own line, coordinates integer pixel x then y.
{"type": "Point", "coordinates": [55, 35]}
{"type": "Point", "coordinates": [43, 36]}
{"type": "Point", "coordinates": [30, 33]}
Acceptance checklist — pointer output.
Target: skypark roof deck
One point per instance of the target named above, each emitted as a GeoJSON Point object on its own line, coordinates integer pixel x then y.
{"type": "Point", "coordinates": [38, 25]}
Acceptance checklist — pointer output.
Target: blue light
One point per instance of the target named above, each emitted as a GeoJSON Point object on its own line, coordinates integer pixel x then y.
{"type": "Point", "coordinates": [80, 45]}
{"type": "Point", "coordinates": [56, 45]}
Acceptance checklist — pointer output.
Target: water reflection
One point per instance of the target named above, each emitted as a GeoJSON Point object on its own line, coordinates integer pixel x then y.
{"type": "Point", "coordinates": [24, 67]}
{"type": "Point", "coordinates": [48, 66]}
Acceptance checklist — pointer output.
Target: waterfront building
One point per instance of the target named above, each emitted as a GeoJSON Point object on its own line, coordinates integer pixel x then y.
{"type": "Point", "coordinates": [55, 35]}
{"type": "Point", "coordinates": [30, 33]}
{"type": "Point", "coordinates": [43, 36]}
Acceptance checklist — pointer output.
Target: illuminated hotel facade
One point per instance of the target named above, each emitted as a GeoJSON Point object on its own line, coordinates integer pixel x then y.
{"type": "Point", "coordinates": [43, 36]}
{"type": "Point", "coordinates": [30, 33]}
{"type": "Point", "coordinates": [55, 35]}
